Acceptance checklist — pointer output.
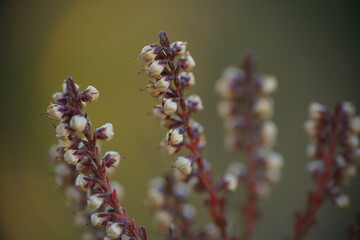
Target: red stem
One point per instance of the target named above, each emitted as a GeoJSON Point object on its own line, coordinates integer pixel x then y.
{"type": "Point", "coordinates": [216, 209]}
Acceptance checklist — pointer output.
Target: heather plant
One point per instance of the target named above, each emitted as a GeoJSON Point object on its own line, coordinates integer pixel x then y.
{"type": "Point", "coordinates": [246, 108]}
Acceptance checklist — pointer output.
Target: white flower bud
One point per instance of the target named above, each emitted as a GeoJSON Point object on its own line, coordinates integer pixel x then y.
{"type": "Point", "coordinates": [236, 168]}
{"type": "Point", "coordinates": [62, 169]}
{"type": "Point", "coordinates": [64, 87]}
{"type": "Point", "coordinates": [80, 182]}
{"type": "Point", "coordinates": [83, 167]}
{"type": "Point", "coordinates": [169, 106]}
{"type": "Point", "coordinates": [222, 88]}
{"type": "Point", "coordinates": [96, 220]}
{"type": "Point", "coordinates": [342, 201]}
{"type": "Point", "coordinates": [78, 123]}
{"type": "Point", "coordinates": [225, 109]}
{"type": "Point", "coordinates": [349, 108]}
{"type": "Point", "coordinates": [212, 232]}
{"type": "Point", "coordinates": [93, 93]}
{"type": "Point", "coordinates": [74, 196]}
{"type": "Point", "coordinates": [114, 155]}
{"type": "Point", "coordinates": [155, 198]}
{"type": "Point", "coordinates": [273, 176]}
{"type": "Point", "coordinates": [158, 113]}
{"type": "Point", "coordinates": [61, 131]}
{"type": "Point", "coordinates": [152, 90]}
{"type": "Point", "coordinates": [113, 230]}
{"type": "Point", "coordinates": [350, 171]}
{"type": "Point", "coordinates": [56, 96]}
{"type": "Point", "coordinates": [188, 78]}
{"type": "Point", "coordinates": [194, 102]}
{"type": "Point", "coordinates": [263, 189]}
{"type": "Point", "coordinates": [162, 220]}
{"type": "Point", "coordinates": [157, 183]}
{"type": "Point", "coordinates": [162, 85]}
{"type": "Point", "coordinates": [353, 141]}
{"type": "Point", "coordinates": [54, 112]}
{"type": "Point", "coordinates": [269, 84]}
{"type": "Point", "coordinates": [81, 220]}
{"type": "Point", "coordinates": [189, 63]}
{"type": "Point", "coordinates": [355, 124]}
{"type": "Point", "coordinates": [231, 73]}
{"type": "Point", "coordinates": [155, 68]}
{"type": "Point", "coordinates": [274, 161]}
{"type": "Point", "coordinates": [147, 54]}
{"type": "Point", "coordinates": [315, 166]}
{"type": "Point", "coordinates": [70, 157]}
{"type": "Point", "coordinates": [311, 151]}
{"type": "Point", "coordinates": [188, 211]}
{"type": "Point", "coordinates": [263, 107]}
{"type": "Point", "coordinates": [95, 201]}
{"type": "Point", "coordinates": [269, 133]}
{"type": "Point", "coordinates": [108, 131]}
{"type": "Point", "coordinates": [310, 127]}
{"type": "Point", "coordinates": [173, 136]}
{"type": "Point", "coordinates": [65, 143]}
{"type": "Point", "coordinates": [169, 149]}
{"type": "Point", "coordinates": [182, 190]}
{"type": "Point", "coordinates": [316, 110]}
{"type": "Point", "coordinates": [231, 181]}
{"type": "Point", "coordinates": [183, 164]}
{"type": "Point", "coordinates": [179, 47]}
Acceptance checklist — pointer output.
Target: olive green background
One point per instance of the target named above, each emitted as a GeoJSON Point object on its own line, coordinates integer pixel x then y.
{"type": "Point", "coordinates": [311, 46]}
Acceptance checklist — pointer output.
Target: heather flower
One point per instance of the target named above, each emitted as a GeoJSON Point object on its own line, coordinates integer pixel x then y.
{"type": "Point", "coordinates": [173, 64]}
{"type": "Point", "coordinates": [82, 155]}
{"type": "Point", "coordinates": [333, 147]}
{"type": "Point", "coordinates": [246, 108]}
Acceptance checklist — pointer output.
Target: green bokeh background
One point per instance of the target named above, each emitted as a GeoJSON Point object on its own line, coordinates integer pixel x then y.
{"type": "Point", "coordinates": [311, 46]}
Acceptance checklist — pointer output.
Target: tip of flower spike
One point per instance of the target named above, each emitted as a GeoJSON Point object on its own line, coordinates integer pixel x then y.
{"type": "Point", "coordinates": [164, 39]}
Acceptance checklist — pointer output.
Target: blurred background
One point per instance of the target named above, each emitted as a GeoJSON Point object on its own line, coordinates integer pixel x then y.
{"type": "Point", "coordinates": [311, 46]}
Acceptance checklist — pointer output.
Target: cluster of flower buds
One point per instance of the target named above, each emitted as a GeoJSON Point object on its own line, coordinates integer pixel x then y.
{"type": "Point", "coordinates": [334, 152]}
{"type": "Point", "coordinates": [247, 108]}
{"type": "Point", "coordinates": [168, 198]}
{"type": "Point", "coordinates": [338, 130]}
{"type": "Point", "coordinates": [169, 65]}
{"type": "Point", "coordinates": [82, 173]}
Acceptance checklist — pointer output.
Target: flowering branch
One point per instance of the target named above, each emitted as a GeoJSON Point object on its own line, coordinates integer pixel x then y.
{"type": "Point", "coordinates": [83, 153]}
{"type": "Point", "coordinates": [247, 108]}
{"type": "Point", "coordinates": [332, 147]}
{"type": "Point", "coordinates": [170, 66]}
